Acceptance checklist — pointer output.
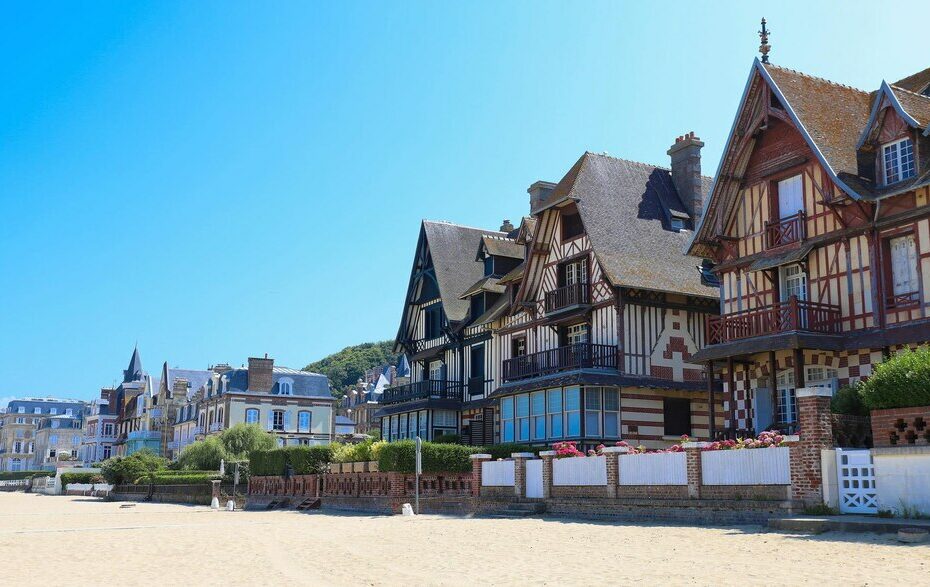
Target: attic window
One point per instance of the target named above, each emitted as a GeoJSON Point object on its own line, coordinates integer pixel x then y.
{"type": "Point", "coordinates": [284, 387]}
{"type": "Point", "coordinates": [678, 224]}
{"type": "Point", "coordinates": [571, 226]}
{"type": "Point", "coordinates": [898, 160]}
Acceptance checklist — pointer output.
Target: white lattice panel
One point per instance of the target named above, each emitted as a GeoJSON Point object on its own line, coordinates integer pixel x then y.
{"type": "Point", "coordinates": [856, 481]}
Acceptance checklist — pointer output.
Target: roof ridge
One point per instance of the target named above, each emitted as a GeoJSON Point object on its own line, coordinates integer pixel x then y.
{"type": "Point", "coordinates": [500, 238]}
{"type": "Point", "coordinates": [818, 78]}
{"type": "Point", "coordinates": [640, 163]}
{"type": "Point", "coordinates": [906, 91]}
{"type": "Point", "coordinates": [450, 223]}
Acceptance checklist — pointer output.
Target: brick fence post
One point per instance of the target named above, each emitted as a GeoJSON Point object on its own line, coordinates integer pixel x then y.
{"type": "Point", "coordinates": [547, 457]}
{"type": "Point", "coordinates": [815, 432]}
{"type": "Point", "coordinates": [476, 461]}
{"type": "Point", "coordinates": [693, 465]}
{"type": "Point", "coordinates": [613, 468]}
{"type": "Point", "coordinates": [519, 472]}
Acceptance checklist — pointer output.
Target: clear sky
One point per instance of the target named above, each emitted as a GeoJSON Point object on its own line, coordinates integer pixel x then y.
{"type": "Point", "coordinates": [216, 181]}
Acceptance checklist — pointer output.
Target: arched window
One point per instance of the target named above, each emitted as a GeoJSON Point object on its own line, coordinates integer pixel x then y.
{"type": "Point", "coordinates": [16, 465]}
{"type": "Point", "coordinates": [285, 386]}
{"type": "Point", "coordinates": [303, 422]}
{"type": "Point", "coordinates": [251, 416]}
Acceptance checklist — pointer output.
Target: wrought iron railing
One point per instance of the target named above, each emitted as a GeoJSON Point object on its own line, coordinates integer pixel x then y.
{"type": "Point", "coordinates": [785, 231]}
{"type": "Point", "coordinates": [565, 358]}
{"type": "Point", "coordinates": [560, 298]}
{"type": "Point", "coordinates": [787, 316]}
{"type": "Point", "coordinates": [430, 388]}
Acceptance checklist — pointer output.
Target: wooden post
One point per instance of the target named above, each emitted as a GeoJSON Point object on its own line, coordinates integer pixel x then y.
{"type": "Point", "coordinates": [731, 386]}
{"type": "Point", "coordinates": [712, 428]}
{"type": "Point", "coordinates": [773, 382]}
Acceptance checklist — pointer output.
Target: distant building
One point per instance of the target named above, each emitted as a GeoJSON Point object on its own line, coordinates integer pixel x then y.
{"type": "Point", "coordinates": [58, 441]}
{"type": "Point", "coordinates": [174, 388]}
{"type": "Point", "coordinates": [129, 405]}
{"type": "Point", "coordinates": [99, 436]}
{"type": "Point", "coordinates": [20, 424]}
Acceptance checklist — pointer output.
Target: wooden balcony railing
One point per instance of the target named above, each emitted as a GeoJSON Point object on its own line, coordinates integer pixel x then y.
{"type": "Point", "coordinates": [905, 300]}
{"type": "Point", "coordinates": [787, 316]}
{"type": "Point", "coordinates": [564, 297]}
{"type": "Point", "coordinates": [422, 390]}
{"type": "Point", "coordinates": [785, 231]}
{"type": "Point", "coordinates": [576, 356]}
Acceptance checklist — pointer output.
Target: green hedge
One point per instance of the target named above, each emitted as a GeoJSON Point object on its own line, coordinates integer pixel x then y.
{"type": "Point", "coordinates": [503, 451]}
{"type": "Point", "coordinates": [184, 478]}
{"type": "Point", "coordinates": [448, 439]}
{"type": "Point", "coordinates": [303, 460]}
{"type": "Point", "coordinates": [67, 478]}
{"type": "Point", "coordinates": [401, 457]}
{"type": "Point", "coordinates": [901, 381]}
{"type": "Point", "coordinates": [848, 400]}
{"type": "Point", "coordinates": [16, 475]}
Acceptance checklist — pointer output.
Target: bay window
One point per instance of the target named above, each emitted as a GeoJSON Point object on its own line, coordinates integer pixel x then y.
{"type": "Point", "coordinates": [523, 417]}
{"type": "Point", "coordinates": [507, 422]}
{"type": "Point", "coordinates": [538, 408]}
{"type": "Point", "coordinates": [573, 411]}
{"type": "Point", "coordinates": [592, 411]}
{"type": "Point", "coordinates": [555, 413]}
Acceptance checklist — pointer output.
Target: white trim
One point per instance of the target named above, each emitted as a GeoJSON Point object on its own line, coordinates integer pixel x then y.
{"type": "Point", "coordinates": [884, 90]}
{"type": "Point", "coordinates": [813, 392]}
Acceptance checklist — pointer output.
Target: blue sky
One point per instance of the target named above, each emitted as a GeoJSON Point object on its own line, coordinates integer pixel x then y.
{"type": "Point", "coordinates": [216, 181]}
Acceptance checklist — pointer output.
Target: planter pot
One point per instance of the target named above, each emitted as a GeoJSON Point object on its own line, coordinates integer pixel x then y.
{"type": "Point", "coordinates": [901, 426]}
{"type": "Point", "coordinates": [372, 466]}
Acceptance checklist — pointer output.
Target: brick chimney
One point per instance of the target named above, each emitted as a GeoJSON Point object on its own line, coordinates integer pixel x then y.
{"type": "Point", "coordinates": [260, 374]}
{"type": "Point", "coordinates": [506, 226]}
{"type": "Point", "coordinates": [686, 172]}
{"type": "Point", "coordinates": [538, 192]}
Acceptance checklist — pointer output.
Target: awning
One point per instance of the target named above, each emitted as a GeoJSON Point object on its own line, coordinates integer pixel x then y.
{"type": "Point", "coordinates": [792, 256]}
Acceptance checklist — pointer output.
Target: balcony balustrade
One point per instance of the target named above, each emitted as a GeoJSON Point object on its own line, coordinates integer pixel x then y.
{"type": "Point", "coordinates": [144, 435]}
{"type": "Point", "coordinates": [576, 294]}
{"type": "Point", "coordinates": [430, 388]}
{"type": "Point", "coordinates": [785, 231]}
{"type": "Point", "coordinates": [565, 358]}
{"type": "Point", "coordinates": [793, 315]}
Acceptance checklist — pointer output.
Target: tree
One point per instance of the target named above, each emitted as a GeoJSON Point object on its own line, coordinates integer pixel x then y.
{"type": "Point", "coordinates": [119, 470]}
{"type": "Point", "coordinates": [203, 455]}
{"type": "Point", "coordinates": [346, 367]}
{"type": "Point", "coordinates": [242, 439]}
{"type": "Point", "coordinates": [901, 381]}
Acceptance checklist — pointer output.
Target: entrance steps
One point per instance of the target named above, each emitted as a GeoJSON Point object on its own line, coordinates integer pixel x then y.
{"type": "Point", "coordinates": [520, 509]}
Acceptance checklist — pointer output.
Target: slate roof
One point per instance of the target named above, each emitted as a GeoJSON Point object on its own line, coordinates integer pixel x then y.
{"type": "Point", "coordinates": [195, 378]}
{"type": "Point", "coordinates": [306, 384]}
{"type": "Point", "coordinates": [502, 247]}
{"type": "Point", "coordinates": [514, 274]}
{"type": "Point", "coordinates": [622, 208]}
{"type": "Point", "coordinates": [344, 421]}
{"type": "Point", "coordinates": [134, 372]}
{"type": "Point", "coordinates": [452, 248]}
{"type": "Point", "coordinates": [497, 309]}
{"type": "Point", "coordinates": [45, 405]}
{"type": "Point", "coordinates": [489, 284]}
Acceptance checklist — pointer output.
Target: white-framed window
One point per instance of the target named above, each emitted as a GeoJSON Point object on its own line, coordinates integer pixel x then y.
{"type": "Point", "coordinates": [793, 282]}
{"type": "Point", "coordinates": [277, 422]}
{"type": "Point", "coordinates": [303, 422]}
{"type": "Point", "coordinates": [898, 161]}
{"type": "Point", "coordinates": [790, 196]}
{"type": "Point", "coordinates": [435, 371]}
{"type": "Point", "coordinates": [18, 447]}
{"type": "Point", "coordinates": [52, 453]}
{"type": "Point", "coordinates": [592, 411]}
{"type": "Point", "coordinates": [251, 416]}
{"type": "Point", "coordinates": [577, 334]}
{"type": "Point", "coordinates": [55, 423]}
{"type": "Point", "coordinates": [32, 447]}
{"type": "Point", "coordinates": [21, 410]}
{"type": "Point", "coordinates": [69, 412]}
{"type": "Point", "coordinates": [538, 411]}
{"type": "Point", "coordinates": [75, 440]}
{"type": "Point", "coordinates": [555, 413]}
{"type": "Point", "coordinates": [107, 451]}
{"type": "Point", "coordinates": [421, 430]}
{"type": "Point", "coordinates": [53, 411]}
{"type": "Point", "coordinates": [507, 424]}
{"type": "Point", "coordinates": [573, 411]}
{"type": "Point", "coordinates": [16, 465]}
{"type": "Point", "coordinates": [36, 410]}
{"type": "Point", "coordinates": [576, 272]}
{"type": "Point", "coordinates": [285, 387]}
{"type": "Point", "coordinates": [523, 417]}
{"type": "Point", "coordinates": [20, 420]}
{"type": "Point", "coordinates": [611, 413]}
{"type": "Point", "coordinates": [445, 422]}
{"type": "Point", "coordinates": [395, 423]}
{"type": "Point", "coordinates": [108, 429]}
{"type": "Point", "coordinates": [903, 264]}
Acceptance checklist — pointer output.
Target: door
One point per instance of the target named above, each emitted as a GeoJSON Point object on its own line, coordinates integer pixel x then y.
{"type": "Point", "coordinates": [763, 408]}
{"type": "Point", "coordinates": [534, 478]}
{"type": "Point", "coordinates": [790, 196]}
{"type": "Point", "coordinates": [855, 476]}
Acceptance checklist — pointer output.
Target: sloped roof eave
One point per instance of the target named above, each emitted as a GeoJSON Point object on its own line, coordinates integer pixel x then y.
{"type": "Point", "coordinates": [885, 91]}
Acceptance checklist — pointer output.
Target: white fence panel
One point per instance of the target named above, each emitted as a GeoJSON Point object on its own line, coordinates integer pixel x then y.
{"type": "Point", "coordinates": [497, 474]}
{"type": "Point", "coordinates": [761, 466]}
{"type": "Point", "coordinates": [580, 471]}
{"type": "Point", "coordinates": [534, 478]}
{"type": "Point", "coordinates": [902, 479]}
{"type": "Point", "coordinates": [89, 487]}
{"type": "Point", "coordinates": [654, 469]}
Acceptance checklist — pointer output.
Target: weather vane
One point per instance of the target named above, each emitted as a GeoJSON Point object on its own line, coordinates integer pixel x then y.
{"type": "Point", "coordinates": [764, 48]}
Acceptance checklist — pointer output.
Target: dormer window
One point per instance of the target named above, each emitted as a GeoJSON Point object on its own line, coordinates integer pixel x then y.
{"type": "Point", "coordinates": [898, 161]}
{"type": "Point", "coordinates": [284, 387]}
{"type": "Point", "coordinates": [571, 226]}
{"type": "Point", "coordinates": [488, 266]}
{"type": "Point", "coordinates": [678, 224]}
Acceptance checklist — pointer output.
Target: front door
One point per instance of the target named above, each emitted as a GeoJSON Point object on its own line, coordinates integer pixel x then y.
{"type": "Point", "coordinates": [763, 409]}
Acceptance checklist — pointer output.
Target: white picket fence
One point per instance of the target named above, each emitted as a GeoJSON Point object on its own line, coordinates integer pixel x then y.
{"type": "Point", "coordinates": [654, 469]}
{"type": "Point", "coordinates": [764, 466]}
{"type": "Point", "coordinates": [89, 487]}
{"type": "Point", "coordinates": [497, 474]}
{"type": "Point", "coordinates": [580, 471]}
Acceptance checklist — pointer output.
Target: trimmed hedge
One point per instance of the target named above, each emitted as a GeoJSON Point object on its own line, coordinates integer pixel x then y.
{"type": "Point", "coordinates": [503, 451]}
{"type": "Point", "coordinates": [401, 457]}
{"type": "Point", "coordinates": [17, 475]}
{"type": "Point", "coordinates": [304, 460]}
{"type": "Point", "coordinates": [448, 439]}
{"type": "Point", "coordinates": [67, 478]}
{"type": "Point", "coordinates": [901, 381]}
{"type": "Point", "coordinates": [185, 478]}
{"type": "Point", "coordinates": [848, 400]}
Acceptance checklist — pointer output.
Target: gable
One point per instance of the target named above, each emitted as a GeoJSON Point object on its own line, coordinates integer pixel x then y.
{"type": "Point", "coordinates": [779, 147]}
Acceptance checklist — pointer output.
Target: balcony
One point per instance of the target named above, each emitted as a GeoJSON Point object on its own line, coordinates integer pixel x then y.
{"type": "Point", "coordinates": [570, 296]}
{"type": "Point", "coordinates": [902, 301]}
{"type": "Point", "coordinates": [429, 389]}
{"type": "Point", "coordinates": [785, 231]}
{"type": "Point", "coordinates": [479, 386]}
{"type": "Point", "coordinates": [565, 358]}
{"type": "Point", "coordinates": [793, 315]}
{"type": "Point", "coordinates": [144, 435]}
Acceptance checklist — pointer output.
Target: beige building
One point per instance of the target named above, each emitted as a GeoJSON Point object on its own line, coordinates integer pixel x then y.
{"type": "Point", "coordinates": [24, 443]}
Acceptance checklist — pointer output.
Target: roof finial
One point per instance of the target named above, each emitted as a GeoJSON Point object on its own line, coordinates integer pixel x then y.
{"type": "Point", "coordinates": [764, 48]}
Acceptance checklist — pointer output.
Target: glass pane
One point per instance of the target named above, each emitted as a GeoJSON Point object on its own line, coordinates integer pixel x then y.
{"type": "Point", "coordinates": [572, 398]}
{"type": "Point", "coordinates": [539, 402]}
{"type": "Point", "coordinates": [555, 426]}
{"type": "Point", "coordinates": [523, 405]}
{"type": "Point", "coordinates": [507, 408]}
{"type": "Point", "coordinates": [592, 398]}
{"type": "Point", "coordinates": [539, 427]}
{"type": "Point", "coordinates": [611, 424]}
{"type": "Point", "coordinates": [524, 428]}
{"type": "Point", "coordinates": [611, 400]}
{"type": "Point", "coordinates": [555, 401]}
{"type": "Point", "coordinates": [592, 423]}
{"type": "Point", "coordinates": [508, 431]}
{"type": "Point", "coordinates": [573, 420]}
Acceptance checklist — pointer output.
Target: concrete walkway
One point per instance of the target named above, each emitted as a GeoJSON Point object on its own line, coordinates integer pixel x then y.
{"type": "Point", "coordinates": [849, 523]}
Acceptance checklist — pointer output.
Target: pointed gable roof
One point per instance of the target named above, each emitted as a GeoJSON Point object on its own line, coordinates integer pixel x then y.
{"type": "Point", "coordinates": [134, 371]}
{"type": "Point", "coordinates": [623, 206]}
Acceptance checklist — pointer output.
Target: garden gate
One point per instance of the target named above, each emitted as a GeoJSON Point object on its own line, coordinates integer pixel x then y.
{"type": "Point", "coordinates": [534, 478]}
{"type": "Point", "coordinates": [855, 476]}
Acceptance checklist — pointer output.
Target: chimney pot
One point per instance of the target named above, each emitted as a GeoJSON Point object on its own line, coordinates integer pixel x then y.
{"type": "Point", "coordinates": [506, 226]}
{"type": "Point", "coordinates": [538, 192]}
{"type": "Point", "coordinates": [686, 172]}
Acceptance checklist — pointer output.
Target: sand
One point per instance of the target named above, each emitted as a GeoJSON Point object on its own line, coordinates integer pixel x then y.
{"type": "Point", "coordinates": [78, 541]}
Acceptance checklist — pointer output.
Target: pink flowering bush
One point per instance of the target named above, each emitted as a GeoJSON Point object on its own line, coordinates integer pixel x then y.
{"type": "Point", "coordinates": [767, 439]}
{"type": "Point", "coordinates": [567, 449]}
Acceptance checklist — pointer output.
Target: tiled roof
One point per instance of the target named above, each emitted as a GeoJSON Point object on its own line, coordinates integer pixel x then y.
{"type": "Point", "coordinates": [514, 274]}
{"type": "Point", "coordinates": [305, 384]}
{"type": "Point", "coordinates": [488, 284]}
{"type": "Point", "coordinates": [917, 82]}
{"type": "Point", "coordinates": [622, 208]}
{"type": "Point", "coordinates": [916, 105]}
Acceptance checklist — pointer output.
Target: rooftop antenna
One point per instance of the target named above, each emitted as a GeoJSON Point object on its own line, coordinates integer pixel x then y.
{"type": "Point", "coordinates": [764, 48]}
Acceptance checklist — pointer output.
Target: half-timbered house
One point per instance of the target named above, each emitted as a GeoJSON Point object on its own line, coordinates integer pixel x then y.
{"type": "Point", "coordinates": [819, 225]}
{"type": "Point", "coordinates": [605, 311]}
{"type": "Point", "coordinates": [445, 333]}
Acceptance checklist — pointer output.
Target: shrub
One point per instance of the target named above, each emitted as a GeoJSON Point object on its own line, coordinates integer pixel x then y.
{"type": "Point", "coordinates": [902, 381]}
{"type": "Point", "coordinates": [303, 460]}
{"type": "Point", "coordinates": [229, 477]}
{"type": "Point", "coordinates": [67, 478]}
{"type": "Point", "coordinates": [179, 478]}
{"type": "Point", "coordinates": [353, 453]}
{"type": "Point", "coordinates": [448, 439]}
{"type": "Point", "coordinates": [17, 475]}
{"type": "Point", "coordinates": [119, 470]}
{"type": "Point", "coordinates": [242, 439]}
{"type": "Point", "coordinates": [503, 451]}
{"type": "Point", "coordinates": [848, 400]}
{"type": "Point", "coordinates": [203, 455]}
{"type": "Point", "coordinates": [401, 457]}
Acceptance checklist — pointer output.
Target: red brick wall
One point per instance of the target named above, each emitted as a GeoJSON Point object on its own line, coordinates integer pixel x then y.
{"type": "Point", "coordinates": [901, 426]}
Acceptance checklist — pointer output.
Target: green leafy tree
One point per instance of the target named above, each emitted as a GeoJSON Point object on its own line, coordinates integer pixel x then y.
{"type": "Point", "coordinates": [240, 440]}
{"type": "Point", "coordinates": [203, 455]}
{"type": "Point", "coordinates": [345, 367]}
{"type": "Point", "coordinates": [901, 381]}
{"type": "Point", "coordinates": [120, 470]}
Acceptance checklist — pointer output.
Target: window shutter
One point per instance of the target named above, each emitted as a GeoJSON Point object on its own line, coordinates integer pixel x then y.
{"type": "Point", "coordinates": [270, 420]}
{"type": "Point", "coordinates": [287, 421]}
{"type": "Point", "coordinates": [911, 245]}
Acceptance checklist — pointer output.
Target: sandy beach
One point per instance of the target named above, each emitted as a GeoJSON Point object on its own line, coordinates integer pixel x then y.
{"type": "Point", "coordinates": [88, 541]}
